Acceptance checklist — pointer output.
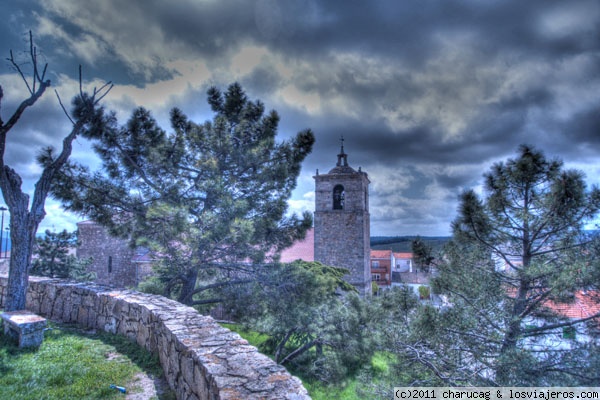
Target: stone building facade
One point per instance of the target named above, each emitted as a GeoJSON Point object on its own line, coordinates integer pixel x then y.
{"type": "Point", "coordinates": [342, 222]}
{"type": "Point", "coordinates": [113, 261]}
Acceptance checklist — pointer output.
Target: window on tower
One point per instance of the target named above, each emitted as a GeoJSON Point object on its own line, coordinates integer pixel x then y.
{"type": "Point", "coordinates": [338, 197]}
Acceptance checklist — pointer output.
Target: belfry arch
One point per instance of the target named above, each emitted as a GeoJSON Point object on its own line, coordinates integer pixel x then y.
{"type": "Point", "coordinates": [338, 197]}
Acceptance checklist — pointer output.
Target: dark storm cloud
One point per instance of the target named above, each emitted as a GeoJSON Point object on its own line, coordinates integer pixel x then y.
{"type": "Point", "coordinates": [411, 29]}
{"type": "Point", "coordinates": [164, 30]}
{"type": "Point", "coordinates": [16, 23]}
{"type": "Point", "coordinates": [369, 142]}
{"type": "Point", "coordinates": [584, 131]}
{"type": "Point", "coordinates": [427, 93]}
{"type": "Point", "coordinates": [263, 79]}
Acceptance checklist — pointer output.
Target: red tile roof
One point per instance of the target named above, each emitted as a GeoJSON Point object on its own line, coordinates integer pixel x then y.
{"type": "Point", "coordinates": [584, 305]}
{"type": "Point", "coordinates": [302, 249]}
{"type": "Point", "coordinates": [403, 255]}
{"type": "Point", "coordinates": [381, 254]}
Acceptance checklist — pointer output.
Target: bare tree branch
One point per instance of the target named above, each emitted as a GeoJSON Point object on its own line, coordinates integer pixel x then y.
{"type": "Point", "coordinates": [63, 107]}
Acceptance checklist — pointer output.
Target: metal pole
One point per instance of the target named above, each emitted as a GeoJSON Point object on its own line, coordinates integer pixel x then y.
{"type": "Point", "coordinates": [6, 247]}
{"type": "Point", "coordinates": [2, 228]}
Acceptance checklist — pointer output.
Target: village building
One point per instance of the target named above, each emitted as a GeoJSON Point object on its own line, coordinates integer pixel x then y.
{"type": "Point", "coordinates": [389, 269]}
{"type": "Point", "coordinates": [381, 267]}
{"type": "Point", "coordinates": [341, 234]}
{"type": "Point", "coordinates": [342, 222]}
{"type": "Point", "coordinates": [114, 262]}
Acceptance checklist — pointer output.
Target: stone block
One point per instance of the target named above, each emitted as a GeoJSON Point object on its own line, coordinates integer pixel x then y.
{"type": "Point", "coordinates": [25, 327]}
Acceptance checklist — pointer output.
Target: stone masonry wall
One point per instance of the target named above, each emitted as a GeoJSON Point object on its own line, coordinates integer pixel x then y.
{"type": "Point", "coordinates": [111, 257]}
{"type": "Point", "coordinates": [342, 237]}
{"type": "Point", "coordinates": [355, 186]}
{"type": "Point", "coordinates": [200, 359]}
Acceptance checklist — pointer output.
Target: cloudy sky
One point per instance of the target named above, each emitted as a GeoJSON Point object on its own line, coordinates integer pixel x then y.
{"type": "Point", "coordinates": [427, 94]}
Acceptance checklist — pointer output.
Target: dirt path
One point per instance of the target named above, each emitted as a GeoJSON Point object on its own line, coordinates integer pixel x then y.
{"type": "Point", "coordinates": [152, 387]}
{"type": "Point", "coordinates": [144, 385]}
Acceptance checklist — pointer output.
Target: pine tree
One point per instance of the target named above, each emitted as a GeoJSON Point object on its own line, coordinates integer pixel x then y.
{"type": "Point", "coordinates": [209, 198]}
{"type": "Point", "coordinates": [308, 324]}
{"type": "Point", "coordinates": [53, 257]}
{"type": "Point", "coordinates": [422, 254]}
{"type": "Point", "coordinates": [514, 251]}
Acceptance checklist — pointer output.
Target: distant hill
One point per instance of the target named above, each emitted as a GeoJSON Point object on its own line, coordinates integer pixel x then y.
{"type": "Point", "coordinates": [403, 244]}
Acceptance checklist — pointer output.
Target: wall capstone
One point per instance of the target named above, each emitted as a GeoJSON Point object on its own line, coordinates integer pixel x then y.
{"type": "Point", "coordinates": [200, 359]}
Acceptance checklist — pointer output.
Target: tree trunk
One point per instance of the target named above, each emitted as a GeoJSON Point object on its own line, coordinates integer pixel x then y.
{"type": "Point", "coordinates": [22, 235]}
{"type": "Point", "coordinates": [281, 346]}
{"type": "Point", "coordinates": [299, 351]}
{"type": "Point", "coordinates": [511, 337]}
{"type": "Point", "coordinates": [188, 286]}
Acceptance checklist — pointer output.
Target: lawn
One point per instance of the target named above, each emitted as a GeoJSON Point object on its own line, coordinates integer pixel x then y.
{"type": "Point", "coordinates": [73, 364]}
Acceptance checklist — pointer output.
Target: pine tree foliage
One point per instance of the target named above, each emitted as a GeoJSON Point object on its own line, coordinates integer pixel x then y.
{"type": "Point", "coordinates": [422, 254]}
{"type": "Point", "coordinates": [311, 326]}
{"type": "Point", "coordinates": [53, 257]}
{"type": "Point", "coordinates": [396, 325]}
{"type": "Point", "coordinates": [210, 198]}
{"type": "Point", "coordinates": [514, 251]}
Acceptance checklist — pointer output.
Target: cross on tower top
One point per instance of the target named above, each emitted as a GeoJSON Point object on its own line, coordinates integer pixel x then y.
{"type": "Point", "coordinates": [342, 156]}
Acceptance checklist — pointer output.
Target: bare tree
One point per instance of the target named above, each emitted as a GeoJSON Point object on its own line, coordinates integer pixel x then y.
{"type": "Point", "coordinates": [25, 217]}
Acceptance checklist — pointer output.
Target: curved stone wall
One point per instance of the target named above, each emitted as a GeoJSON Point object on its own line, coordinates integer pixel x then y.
{"type": "Point", "coordinates": [201, 359]}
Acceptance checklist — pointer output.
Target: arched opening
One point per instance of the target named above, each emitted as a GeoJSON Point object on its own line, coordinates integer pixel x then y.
{"type": "Point", "coordinates": [338, 197]}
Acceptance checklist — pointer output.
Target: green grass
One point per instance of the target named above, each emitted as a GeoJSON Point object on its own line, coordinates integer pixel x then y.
{"type": "Point", "coordinates": [381, 362]}
{"type": "Point", "coordinates": [71, 364]}
{"type": "Point", "coordinates": [320, 391]}
{"type": "Point", "coordinates": [380, 365]}
{"type": "Point", "coordinates": [254, 338]}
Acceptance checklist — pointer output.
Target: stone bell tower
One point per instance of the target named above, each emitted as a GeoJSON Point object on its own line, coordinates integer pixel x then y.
{"type": "Point", "coordinates": [342, 222]}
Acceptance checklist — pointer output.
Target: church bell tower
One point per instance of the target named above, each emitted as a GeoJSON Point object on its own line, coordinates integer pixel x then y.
{"type": "Point", "coordinates": [342, 222]}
